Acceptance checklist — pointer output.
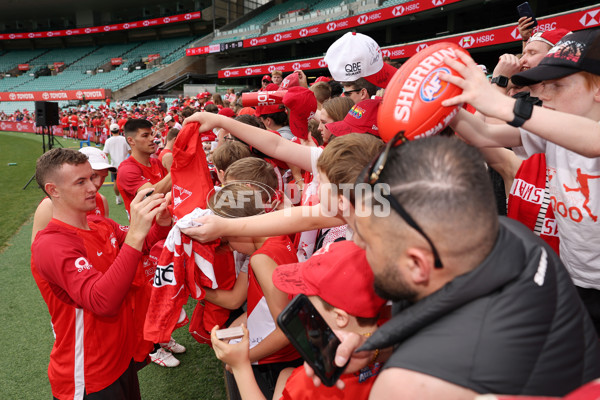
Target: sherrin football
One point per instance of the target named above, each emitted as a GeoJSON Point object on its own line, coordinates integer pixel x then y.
{"type": "Point", "coordinates": [413, 99]}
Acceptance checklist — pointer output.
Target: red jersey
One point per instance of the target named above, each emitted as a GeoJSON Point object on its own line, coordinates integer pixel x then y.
{"type": "Point", "coordinates": [162, 154]}
{"type": "Point", "coordinates": [357, 386]}
{"type": "Point", "coordinates": [73, 120]}
{"type": "Point", "coordinates": [84, 276]}
{"type": "Point", "coordinates": [99, 210]}
{"type": "Point", "coordinates": [529, 200]}
{"type": "Point", "coordinates": [260, 321]}
{"type": "Point", "coordinates": [64, 121]}
{"type": "Point", "coordinates": [132, 175]}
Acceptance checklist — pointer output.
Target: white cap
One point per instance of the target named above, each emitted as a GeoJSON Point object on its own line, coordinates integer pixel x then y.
{"type": "Point", "coordinates": [355, 56]}
{"type": "Point", "coordinates": [114, 128]}
{"type": "Point", "coordinates": [97, 158]}
{"type": "Point", "coordinates": [168, 118]}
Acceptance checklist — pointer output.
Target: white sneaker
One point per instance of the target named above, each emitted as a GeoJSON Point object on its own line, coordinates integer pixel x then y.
{"type": "Point", "coordinates": [173, 347]}
{"type": "Point", "coordinates": [164, 358]}
{"type": "Point", "coordinates": [119, 201]}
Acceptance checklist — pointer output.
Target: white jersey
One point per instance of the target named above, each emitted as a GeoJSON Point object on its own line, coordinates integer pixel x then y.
{"type": "Point", "coordinates": [574, 187]}
{"type": "Point", "coordinates": [117, 148]}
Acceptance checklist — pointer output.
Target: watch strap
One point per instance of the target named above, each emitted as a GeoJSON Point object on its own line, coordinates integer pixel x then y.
{"type": "Point", "coordinates": [522, 111]}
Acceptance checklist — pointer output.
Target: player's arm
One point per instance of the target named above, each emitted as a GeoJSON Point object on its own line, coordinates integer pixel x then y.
{"type": "Point", "coordinates": [269, 143]}
{"type": "Point", "coordinates": [162, 186]}
{"type": "Point", "coordinates": [282, 222]}
{"type": "Point", "coordinates": [503, 161]}
{"type": "Point", "coordinates": [263, 267]}
{"type": "Point", "coordinates": [237, 357]}
{"type": "Point", "coordinates": [43, 215]}
{"type": "Point", "coordinates": [230, 299]}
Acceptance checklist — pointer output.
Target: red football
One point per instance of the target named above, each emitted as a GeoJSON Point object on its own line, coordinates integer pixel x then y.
{"type": "Point", "coordinates": [413, 99]}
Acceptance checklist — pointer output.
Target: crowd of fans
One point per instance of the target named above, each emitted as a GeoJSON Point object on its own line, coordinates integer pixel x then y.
{"type": "Point", "coordinates": [398, 245]}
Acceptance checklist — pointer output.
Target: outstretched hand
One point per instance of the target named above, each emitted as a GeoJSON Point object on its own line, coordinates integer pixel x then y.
{"type": "Point", "coordinates": [211, 228]}
{"type": "Point", "coordinates": [208, 121]}
{"type": "Point", "coordinates": [476, 89]}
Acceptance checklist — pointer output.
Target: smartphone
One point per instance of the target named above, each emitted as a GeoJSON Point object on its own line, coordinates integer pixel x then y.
{"type": "Point", "coordinates": [230, 333]}
{"type": "Point", "coordinates": [312, 337]}
{"type": "Point", "coordinates": [526, 11]}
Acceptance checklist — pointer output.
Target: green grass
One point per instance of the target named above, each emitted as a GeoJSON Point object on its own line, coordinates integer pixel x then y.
{"type": "Point", "coordinates": [24, 320]}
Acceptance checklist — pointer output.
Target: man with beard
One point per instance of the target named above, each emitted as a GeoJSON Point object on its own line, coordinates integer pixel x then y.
{"type": "Point", "coordinates": [481, 304]}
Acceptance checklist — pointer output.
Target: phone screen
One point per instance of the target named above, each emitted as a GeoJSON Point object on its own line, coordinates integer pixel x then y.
{"type": "Point", "coordinates": [312, 337]}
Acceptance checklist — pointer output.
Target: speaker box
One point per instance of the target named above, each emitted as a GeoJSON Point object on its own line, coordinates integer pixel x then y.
{"type": "Point", "coordinates": [46, 113]}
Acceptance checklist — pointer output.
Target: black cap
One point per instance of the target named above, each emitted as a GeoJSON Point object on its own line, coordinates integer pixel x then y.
{"type": "Point", "coordinates": [576, 52]}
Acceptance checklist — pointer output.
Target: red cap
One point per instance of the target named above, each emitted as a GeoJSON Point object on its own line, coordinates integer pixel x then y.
{"type": "Point", "coordinates": [228, 112]}
{"type": "Point", "coordinates": [265, 110]}
{"type": "Point", "coordinates": [266, 78]}
{"type": "Point", "coordinates": [549, 37]}
{"type": "Point", "coordinates": [271, 87]}
{"type": "Point", "coordinates": [302, 104]}
{"type": "Point", "coordinates": [290, 81]}
{"type": "Point", "coordinates": [362, 118]}
{"type": "Point", "coordinates": [383, 77]}
{"type": "Point", "coordinates": [322, 79]}
{"type": "Point", "coordinates": [247, 111]}
{"type": "Point", "coordinates": [339, 274]}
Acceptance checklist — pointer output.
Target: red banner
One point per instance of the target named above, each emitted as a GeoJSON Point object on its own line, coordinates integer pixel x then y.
{"type": "Point", "coordinates": [58, 64]}
{"type": "Point", "coordinates": [116, 61]}
{"type": "Point", "coordinates": [412, 7]}
{"type": "Point", "coordinates": [574, 21]}
{"type": "Point", "coordinates": [152, 57]}
{"type": "Point", "coordinates": [195, 51]}
{"type": "Point", "coordinates": [23, 67]}
{"type": "Point", "coordinates": [54, 95]}
{"type": "Point", "coordinates": [104, 28]}
{"type": "Point", "coordinates": [17, 126]}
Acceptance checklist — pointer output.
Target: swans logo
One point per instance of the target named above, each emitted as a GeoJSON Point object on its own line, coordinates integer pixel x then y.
{"type": "Point", "coordinates": [303, 32]}
{"type": "Point", "coordinates": [45, 96]}
{"type": "Point", "coordinates": [466, 42]}
{"type": "Point", "coordinates": [421, 47]}
{"type": "Point", "coordinates": [296, 66]}
{"type": "Point", "coordinates": [180, 195]}
{"type": "Point", "coordinates": [227, 74]}
{"type": "Point", "coordinates": [331, 26]}
{"type": "Point", "coordinates": [398, 11]}
{"type": "Point", "coordinates": [253, 42]}
{"type": "Point", "coordinates": [248, 71]}
{"type": "Point", "coordinates": [277, 37]}
{"type": "Point", "coordinates": [322, 63]}
{"type": "Point", "coordinates": [362, 19]}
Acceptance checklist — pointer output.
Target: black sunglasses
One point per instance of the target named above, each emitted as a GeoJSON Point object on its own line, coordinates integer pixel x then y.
{"type": "Point", "coordinates": [370, 174]}
{"type": "Point", "coordinates": [351, 91]}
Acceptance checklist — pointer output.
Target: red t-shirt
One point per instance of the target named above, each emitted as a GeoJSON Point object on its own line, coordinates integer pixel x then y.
{"type": "Point", "coordinates": [357, 386]}
{"type": "Point", "coordinates": [132, 175]}
{"type": "Point", "coordinates": [74, 120]}
{"type": "Point", "coordinates": [83, 277]}
{"type": "Point", "coordinates": [260, 321]}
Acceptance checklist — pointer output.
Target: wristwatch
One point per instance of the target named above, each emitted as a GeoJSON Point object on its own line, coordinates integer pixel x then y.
{"type": "Point", "coordinates": [500, 80]}
{"type": "Point", "coordinates": [522, 110]}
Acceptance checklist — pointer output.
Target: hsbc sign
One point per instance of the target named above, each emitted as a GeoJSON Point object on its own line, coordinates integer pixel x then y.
{"type": "Point", "coordinates": [227, 74]}
{"type": "Point", "coordinates": [296, 66]}
{"type": "Point", "coordinates": [331, 26]}
{"type": "Point", "coordinates": [303, 32]}
{"type": "Point", "coordinates": [254, 42]}
{"type": "Point", "coordinates": [363, 19]}
{"type": "Point", "coordinates": [398, 11]}
{"type": "Point", "coordinates": [271, 68]}
{"type": "Point", "coordinates": [421, 47]}
{"type": "Point", "coordinates": [466, 42]}
{"type": "Point", "coordinates": [248, 71]}
{"type": "Point", "coordinates": [322, 63]}
{"type": "Point", "coordinates": [386, 53]}
{"type": "Point", "coordinates": [590, 18]}
{"type": "Point", "coordinates": [277, 37]}
{"type": "Point", "coordinates": [438, 3]}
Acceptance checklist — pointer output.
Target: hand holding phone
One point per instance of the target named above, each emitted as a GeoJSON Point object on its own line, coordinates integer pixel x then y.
{"type": "Point", "coordinates": [230, 333]}
{"type": "Point", "coordinates": [312, 337]}
{"type": "Point", "coordinates": [525, 10]}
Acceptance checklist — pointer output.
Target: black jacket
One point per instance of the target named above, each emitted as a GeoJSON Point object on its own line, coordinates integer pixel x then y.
{"type": "Point", "coordinates": [513, 325]}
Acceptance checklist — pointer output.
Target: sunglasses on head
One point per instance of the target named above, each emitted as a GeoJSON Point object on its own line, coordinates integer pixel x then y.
{"type": "Point", "coordinates": [370, 175]}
